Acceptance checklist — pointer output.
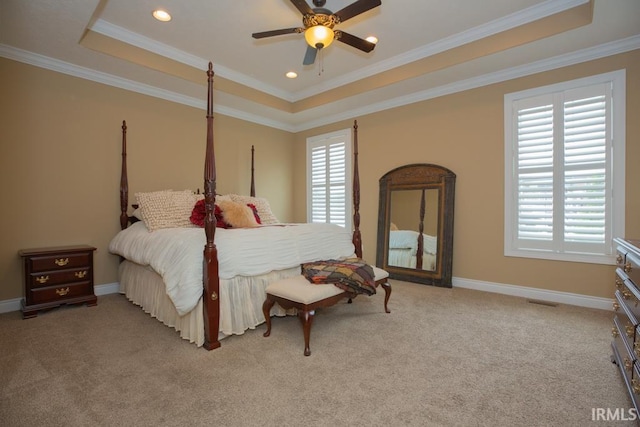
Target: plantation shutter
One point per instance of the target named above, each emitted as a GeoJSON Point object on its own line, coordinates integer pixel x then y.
{"type": "Point", "coordinates": [561, 170]}
{"type": "Point", "coordinates": [328, 177]}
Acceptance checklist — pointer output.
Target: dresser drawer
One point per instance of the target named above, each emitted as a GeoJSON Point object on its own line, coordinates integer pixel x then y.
{"type": "Point", "coordinates": [623, 345]}
{"type": "Point", "coordinates": [59, 261]}
{"type": "Point", "coordinates": [628, 296]}
{"type": "Point", "coordinates": [625, 315]}
{"type": "Point", "coordinates": [632, 268]}
{"type": "Point", "coordinates": [60, 293]}
{"type": "Point", "coordinates": [52, 278]}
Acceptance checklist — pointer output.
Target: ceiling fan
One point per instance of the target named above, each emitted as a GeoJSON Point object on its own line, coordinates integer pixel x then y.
{"type": "Point", "coordinates": [318, 26]}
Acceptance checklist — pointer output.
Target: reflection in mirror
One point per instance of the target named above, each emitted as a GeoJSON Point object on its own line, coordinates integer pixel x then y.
{"type": "Point", "coordinates": [415, 224]}
{"type": "Point", "coordinates": [413, 241]}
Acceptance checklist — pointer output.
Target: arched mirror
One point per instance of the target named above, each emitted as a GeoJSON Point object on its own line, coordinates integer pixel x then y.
{"type": "Point", "coordinates": [415, 224]}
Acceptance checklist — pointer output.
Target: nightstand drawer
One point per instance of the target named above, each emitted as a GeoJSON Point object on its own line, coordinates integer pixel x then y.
{"type": "Point", "coordinates": [59, 261]}
{"type": "Point", "coordinates": [60, 293]}
{"type": "Point", "coordinates": [52, 278]}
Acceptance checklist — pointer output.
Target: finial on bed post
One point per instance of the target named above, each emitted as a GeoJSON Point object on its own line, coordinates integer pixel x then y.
{"type": "Point", "coordinates": [357, 239]}
{"type": "Point", "coordinates": [211, 279]}
{"type": "Point", "coordinates": [124, 183]}
{"type": "Point", "coordinates": [253, 180]}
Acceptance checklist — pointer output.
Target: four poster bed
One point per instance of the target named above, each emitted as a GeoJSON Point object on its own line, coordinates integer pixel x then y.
{"type": "Point", "coordinates": [229, 277]}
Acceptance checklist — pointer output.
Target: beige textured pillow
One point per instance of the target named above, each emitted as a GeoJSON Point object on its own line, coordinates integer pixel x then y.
{"type": "Point", "coordinates": [237, 215]}
{"type": "Point", "coordinates": [167, 208]}
{"type": "Point", "coordinates": [262, 206]}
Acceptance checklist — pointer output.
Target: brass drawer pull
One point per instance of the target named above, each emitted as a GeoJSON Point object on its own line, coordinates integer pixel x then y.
{"type": "Point", "coordinates": [619, 283]}
{"type": "Point", "coordinates": [42, 279]}
{"type": "Point", "coordinates": [62, 291]}
{"type": "Point", "coordinates": [619, 259]}
{"type": "Point", "coordinates": [614, 332]}
{"type": "Point", "coordinates": [629, 330]}
{"type": "Point", "coordinates": [636, 348]}
{"type": "Point", "coordinates": [62, 261]}
{"type": "Point", "coordinates": [626, 294]}
{"type": "Point", "coordinates": [627, 267]}
{"type": "Point", "coordinates": [80, 274]}
{"type": "Point", "coordinates": [616, 306]}
{"type": "Point", "coordinates": [628, 363]}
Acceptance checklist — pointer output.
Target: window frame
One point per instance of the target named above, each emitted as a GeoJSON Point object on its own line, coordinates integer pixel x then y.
{"type": "Point", "coordinates": [326, 140]}
{"type": "Point", "coordinates": [614, 170]}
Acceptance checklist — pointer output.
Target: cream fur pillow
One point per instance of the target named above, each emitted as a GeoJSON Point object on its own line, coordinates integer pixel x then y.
{"type": "Point", "coordinates": [167, 208]}
{"type": "Point", "coordinates": [262, 206]}
{"type": "Point", "coordinates": [237, 215]}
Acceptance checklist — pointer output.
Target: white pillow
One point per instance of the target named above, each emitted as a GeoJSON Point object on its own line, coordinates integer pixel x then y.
{"type": "Point", "coordinates": [167, 208]}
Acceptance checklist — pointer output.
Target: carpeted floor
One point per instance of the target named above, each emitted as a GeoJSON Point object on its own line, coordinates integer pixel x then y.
{"type": "Point", "coordinates": [442, 357]}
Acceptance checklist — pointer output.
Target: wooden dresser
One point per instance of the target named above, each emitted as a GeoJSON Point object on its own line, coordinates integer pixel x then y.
{"type": "Point", "coordinates": [626, 329]}
{"type": "Point", "coordinates": [55, 276]}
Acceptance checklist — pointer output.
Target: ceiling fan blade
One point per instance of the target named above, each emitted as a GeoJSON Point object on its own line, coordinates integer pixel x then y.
{"type": "Point", "coordinates": [310, 55]}
{"type": "Point", "coordinates": [356, 8]}
{"type": "Point", "coordinates": [277, 32]}
{"type": "Point", "coordinates": [357, 42]}
{"type": "Point", "coordinates": [303, 7]}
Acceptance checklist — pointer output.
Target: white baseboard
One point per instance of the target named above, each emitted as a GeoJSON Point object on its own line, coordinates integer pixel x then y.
{"type": "Point", "coordinates": [107, 288]}
{"type": "Point", "coordinates": [478, 285]}
{"type": "Point", "coordinates": [536, 294]}
{"type": "Point", "coordinates": [9, 305]}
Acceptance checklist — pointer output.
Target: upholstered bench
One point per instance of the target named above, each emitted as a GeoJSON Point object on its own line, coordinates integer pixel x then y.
{"type": "Point", "coordinates": [296, 292]}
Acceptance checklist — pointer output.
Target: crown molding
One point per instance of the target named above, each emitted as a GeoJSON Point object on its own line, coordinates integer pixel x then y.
{"type": "Point", "coordinates": [584, 55]}
{"type": "Point", "coordinates": [564, 60]}
{"type": "Point", "coordinates": [115, 32]}
{"type": "Point", "coordinates": [525, 16]}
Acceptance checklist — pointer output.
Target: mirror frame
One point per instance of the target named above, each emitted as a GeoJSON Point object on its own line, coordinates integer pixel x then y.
{"type": "Point", "coordinates": [419, 176]}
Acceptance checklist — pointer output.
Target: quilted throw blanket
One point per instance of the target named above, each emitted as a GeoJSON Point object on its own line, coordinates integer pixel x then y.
{"type": "Point", "coordinates": [352, 275]}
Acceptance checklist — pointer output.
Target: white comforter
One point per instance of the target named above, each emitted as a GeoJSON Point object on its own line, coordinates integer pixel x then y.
{"type": "Point", "coordinates": [177, 253]}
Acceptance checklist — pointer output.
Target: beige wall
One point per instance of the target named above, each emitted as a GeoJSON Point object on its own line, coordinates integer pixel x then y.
{"type": "Point", "coordinates": [464, 132]}
{"type": "Point", "coordinates": [60, 161]}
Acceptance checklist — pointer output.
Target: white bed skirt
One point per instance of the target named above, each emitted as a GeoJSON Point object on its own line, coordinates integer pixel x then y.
{"type": "Point", "coordinates": [405, 258]}
{"type": "Point", "coordinates": [145, 288]}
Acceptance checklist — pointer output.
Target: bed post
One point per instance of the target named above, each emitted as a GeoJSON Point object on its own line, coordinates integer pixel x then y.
{"type": "Point", "coordinates": [357, 239]}
{"type": "Point", "coordinates": [420, 233]}
{"type": "Point", "coordinates": [253, 182]}
{"type": "Point", "coordinates": [211, 280]}
{"type": "Point", "coordinates": [124, 183]}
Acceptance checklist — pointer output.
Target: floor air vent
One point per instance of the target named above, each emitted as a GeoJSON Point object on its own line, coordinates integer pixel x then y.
{"type": "Point", "coordinates": [539, 302]}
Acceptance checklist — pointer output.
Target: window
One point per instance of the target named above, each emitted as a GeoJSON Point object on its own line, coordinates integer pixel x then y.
{"type": "Point", "coordinates": [564, 169]}
{"type": "Point", "coordinates": [329, 178]}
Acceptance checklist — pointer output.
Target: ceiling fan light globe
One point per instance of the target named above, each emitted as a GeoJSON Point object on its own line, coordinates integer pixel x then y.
{"type": "Point", "coordinates": [319, 36]}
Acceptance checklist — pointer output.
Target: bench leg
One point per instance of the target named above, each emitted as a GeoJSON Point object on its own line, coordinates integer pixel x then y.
{"type": "Point", "coordinates": [266, 310]}
{"type": "Point", "coordinates": [387, 293]}
{"type": "Point", "coordinates": [306, 317]}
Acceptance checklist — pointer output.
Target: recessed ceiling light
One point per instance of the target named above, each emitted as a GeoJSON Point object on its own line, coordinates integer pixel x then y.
{"type": "Point", "coordinates": [161, 15]}
{"type": "Point", "coordinates": [372, 39]}
{"type": "Point", "coordinates": [292, 74]}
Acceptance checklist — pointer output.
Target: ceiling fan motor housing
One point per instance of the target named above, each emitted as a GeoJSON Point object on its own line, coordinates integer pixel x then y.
{"type": "Point", "coordinates": [327, 20]}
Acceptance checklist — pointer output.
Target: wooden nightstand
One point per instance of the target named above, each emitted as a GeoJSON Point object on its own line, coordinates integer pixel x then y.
{"type": "Point", "coordinates": [55, 276]}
